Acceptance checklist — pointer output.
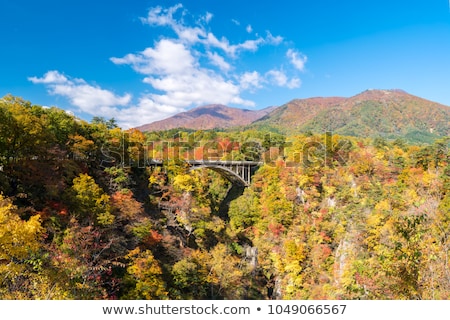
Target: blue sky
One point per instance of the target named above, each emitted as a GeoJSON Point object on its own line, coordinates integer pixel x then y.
{"type": "Point", "coordinates": [142, 60]}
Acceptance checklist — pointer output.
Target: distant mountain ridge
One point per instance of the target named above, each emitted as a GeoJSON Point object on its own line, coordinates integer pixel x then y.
{"type": "Point", "coordinates": [207, 117]}
{"type": "Point", "coordinates": [373, 113]}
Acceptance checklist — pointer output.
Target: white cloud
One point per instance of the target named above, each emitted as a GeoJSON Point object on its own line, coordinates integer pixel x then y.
{"type": "Point", "coordinates": [294, 83]}
{"type": "Point", "coordinates": [191, 35]}
{"type": "Point", "coordinates": [251, 80]}
{"type": "Point", "coordinates": [50, 77]}
{"type": "Point", "coordinates": [159, 16]}
{"type": "Point", "coordinates": [218, 61]}
{"type": "Point", "coordinates": [236, 22]}
{"type": "Point", "coordinates": [270, 39]}
{"type": "Point", "coordinates": [208, 16]}
{"type": "Point", "coordinates": [172, 68]}
{"type": "Point", "coordinates": [297, 59]}
{"type": "Point", "coordinates": [168, 57]}
{"type": "Point", "coordinates": [223, 43]}
{"type": "Point", "coordinates": [279, 78]}
{"type": "Point", "coordinates": [96, 101]}
{"type": "Point", "coordinates": [196, 89]}
{"type": "Point", "coordinates": [248, 45]}
{"type": "Point", "coordinates": [232, 50]}
{"type": "Point", "coordinates": [162, 17]}
{"type": "Point", "coordinates": [145, 111]}
{"type": "Point", "coordinates": [251, 45]}
{"type": "Point", "coordinates": [88, 98]}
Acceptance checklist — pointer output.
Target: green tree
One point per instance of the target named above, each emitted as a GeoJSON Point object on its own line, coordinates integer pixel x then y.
{"type": "Point", "coordinates": [191, 277]}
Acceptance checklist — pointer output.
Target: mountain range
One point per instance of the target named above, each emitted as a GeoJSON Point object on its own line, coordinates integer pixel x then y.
{"type": "Point", "coordinates": [373, 113]}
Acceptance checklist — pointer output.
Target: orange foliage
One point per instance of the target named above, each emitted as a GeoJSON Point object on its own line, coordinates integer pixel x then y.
{"type": "Point", "coordinates": [126, 204]}
{"type": "Point", "coordinates": [153, 238]}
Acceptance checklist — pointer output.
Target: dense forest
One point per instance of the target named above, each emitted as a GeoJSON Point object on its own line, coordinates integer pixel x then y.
{"type": "Point", "coordinates": [82, 215]}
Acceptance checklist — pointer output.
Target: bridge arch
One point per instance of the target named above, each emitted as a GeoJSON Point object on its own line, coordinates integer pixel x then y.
{"type": "Point", "coordinates": [239, 173]}
{"type": "Point", "coordinates": [228, 174]}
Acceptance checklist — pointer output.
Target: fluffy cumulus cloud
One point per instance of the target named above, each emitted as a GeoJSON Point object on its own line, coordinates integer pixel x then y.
{"type": "Point", "coordinates": [188, 65]}
{"type": "Point", "coordinates": [251, 81]}
{"type": "Point", "coordinates": [88, 98]}
{"type": "Point", "coordinates": [171, 67]}
{"type": "Point", "coordinates": [297, 59]}
{"type": "Point", "coordinates": [51, 77]}
{"type": "Point", "coordinates": [96, 101]}
{"type": "Point", "coordinates": [279, 78]}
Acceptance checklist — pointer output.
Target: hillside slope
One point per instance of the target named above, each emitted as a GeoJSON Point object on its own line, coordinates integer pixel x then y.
{"type": "Point", "coordinates": [383, 113]}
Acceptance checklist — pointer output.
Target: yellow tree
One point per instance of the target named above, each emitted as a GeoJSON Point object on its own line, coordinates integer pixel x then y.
{"type": "Point", "coordinates": [91, 201]}
{"type": "Point", "coordinates": [22, 270]}
{"type": "Point", "coordinates": [145, 277]}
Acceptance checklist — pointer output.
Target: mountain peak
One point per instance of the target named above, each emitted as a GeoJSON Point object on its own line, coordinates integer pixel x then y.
{"type": "Point", "coordinates": [377, 93]}
{"type": "Point", "coordinates": [212, 116]}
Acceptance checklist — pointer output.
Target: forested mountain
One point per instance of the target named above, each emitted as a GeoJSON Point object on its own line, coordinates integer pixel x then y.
{"type": "Point", "coordinates": [389, 114]}
{"type": "Point", "coordinates": [82, 215]}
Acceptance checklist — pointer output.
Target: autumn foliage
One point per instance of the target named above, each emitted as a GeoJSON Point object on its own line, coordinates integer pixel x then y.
{"type": "Point", "coordinates": [82, 215]}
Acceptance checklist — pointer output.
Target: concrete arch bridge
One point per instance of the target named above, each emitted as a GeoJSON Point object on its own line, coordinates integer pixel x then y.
{"type": "Point", "coordinates": [239, 173]}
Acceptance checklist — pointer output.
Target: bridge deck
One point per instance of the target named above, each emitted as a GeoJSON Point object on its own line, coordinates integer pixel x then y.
{"type": "Point", "coordinates": [212, 162]}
